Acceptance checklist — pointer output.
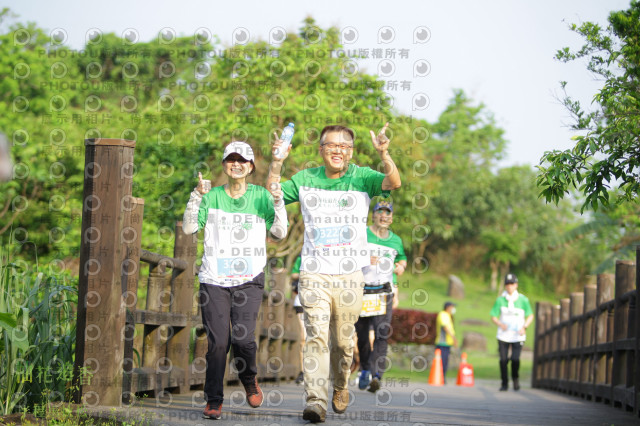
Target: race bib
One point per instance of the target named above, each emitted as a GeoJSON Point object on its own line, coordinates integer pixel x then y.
{"type": "Point", "coordinates": [234, 267]}
{"type": "Point", "coordinates": [374, 304]}
{"type": "Point", "coordinates": [330, 236]}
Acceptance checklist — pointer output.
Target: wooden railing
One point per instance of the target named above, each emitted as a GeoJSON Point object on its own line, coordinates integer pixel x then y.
{"type": "Point", "coordinates": [157, 344]}
{"type": "Point", "coordinates": [589, 345]}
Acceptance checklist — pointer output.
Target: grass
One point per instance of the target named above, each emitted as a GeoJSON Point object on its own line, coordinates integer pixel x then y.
{"type": "Point", "coordinates": [37, 330]}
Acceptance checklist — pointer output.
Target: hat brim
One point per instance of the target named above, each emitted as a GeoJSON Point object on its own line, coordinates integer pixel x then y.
{"type": "Point", "coordinates": [231, 153]}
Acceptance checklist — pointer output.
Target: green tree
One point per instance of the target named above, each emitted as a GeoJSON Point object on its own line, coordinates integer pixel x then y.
{"type": "Point", "coordinates": [607, 149]}
{"type": "Point", "coordinates": [182, 100]}
{"type": "Point", "coordinates": [466, 144]}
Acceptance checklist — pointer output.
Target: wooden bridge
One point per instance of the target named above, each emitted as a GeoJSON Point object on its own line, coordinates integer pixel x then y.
{"type": "Point", "coordinates": [589, 344]}
{"type": "Point", "coordinates": [586, 349]}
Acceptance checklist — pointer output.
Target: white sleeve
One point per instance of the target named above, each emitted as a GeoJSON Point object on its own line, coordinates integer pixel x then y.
{"type": "Point", "coordinates": [279, 227]}
{"type": "Point", "coordinates": [190, 218]}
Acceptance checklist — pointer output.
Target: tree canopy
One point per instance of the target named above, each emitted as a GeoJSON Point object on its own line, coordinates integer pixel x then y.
{"type": "Point", "coordinates": [606, 154]}
{"type": "Point", "coordinates": [183, 99]}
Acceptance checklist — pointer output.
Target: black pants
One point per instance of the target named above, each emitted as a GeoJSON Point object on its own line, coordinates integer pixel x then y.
{"type": "Point", "coordinates": [503, 348]}
{"type": "Point", "coordinates": [239, 307]}
{"type": "Point", "coordinates": [374, 361]}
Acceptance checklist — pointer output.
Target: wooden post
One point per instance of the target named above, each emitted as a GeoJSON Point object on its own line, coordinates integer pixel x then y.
{"type": "Point", "coordinates": [542, 313]}
{"type": "Point", "coordinates": [589, 353]}
{"type": "Point", "coordinates": [277, 282]}
{"type": "Point", "coordinates": [575, 332]}
{"type": "Point", "coordinates": [620, 374]}
{"type": "Point", "coordinates": [604, 293]}
{"type": "Point", "coordinates": [291, 346]}
{"type": "Point", "coordinates": [131, 235]}
{"type": "Point", "coordinates": [152, 352]}
{"type": "Point", "coordinates": [101, 307]}
{"type": "Point", "coordinates": [565, 314]}
{"type": "Point", "coordinates": [182, 289]}
{"type": "Point", "coordinates": [554, 372]}
{"type": "Point", "coordinates": [625, 280]}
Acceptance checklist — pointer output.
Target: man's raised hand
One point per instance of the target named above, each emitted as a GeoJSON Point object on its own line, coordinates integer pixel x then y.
{"type": "Point", "coordinates": [380, 141]}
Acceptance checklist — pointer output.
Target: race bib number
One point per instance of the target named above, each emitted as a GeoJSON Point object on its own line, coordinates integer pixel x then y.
{"type": "Point", "coordinates": [330, 236]}
{"type": "Point", "coordinates": [374, 304]}
{"type": "Point", "coordinates": [234, 267]}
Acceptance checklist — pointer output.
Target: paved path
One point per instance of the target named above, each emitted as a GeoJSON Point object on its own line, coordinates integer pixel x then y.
{"type": "Point", "coordinates": [400, 403]}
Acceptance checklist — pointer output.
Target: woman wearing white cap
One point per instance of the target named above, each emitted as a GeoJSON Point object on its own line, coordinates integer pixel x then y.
{"type": "Point", "coordinates": [235, 217]}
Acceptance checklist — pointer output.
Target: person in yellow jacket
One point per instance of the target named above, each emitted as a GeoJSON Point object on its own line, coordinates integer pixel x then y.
{"type": "Point", "coordinates": [445, 334]}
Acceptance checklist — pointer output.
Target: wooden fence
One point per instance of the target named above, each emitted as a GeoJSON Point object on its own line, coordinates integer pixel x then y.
{"type": "Point", "coordinates": [589, 345]}
{"type": "Point", "coordinates": [157, 343]}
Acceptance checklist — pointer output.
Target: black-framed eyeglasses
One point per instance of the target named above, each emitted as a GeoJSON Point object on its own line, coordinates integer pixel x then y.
{"type": "Point", "coordinates": [341, 146]}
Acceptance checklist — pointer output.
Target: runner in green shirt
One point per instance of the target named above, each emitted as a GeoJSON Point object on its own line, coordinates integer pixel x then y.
{"type": "Point", "coordinates": [386, 258]}
{"type": "Point", "coordinates": [334, 201]}
{"type": "Point", "coordinates": [235, 218]}
{"type": "Point", "coordinates": [512, 314]}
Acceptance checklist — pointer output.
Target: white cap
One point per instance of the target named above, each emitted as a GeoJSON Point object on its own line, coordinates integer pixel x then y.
{"type": "Point", "coordinates": [239, 148]}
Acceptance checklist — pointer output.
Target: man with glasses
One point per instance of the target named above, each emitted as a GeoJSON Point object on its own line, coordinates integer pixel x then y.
{"type": "Point", "coordinates": [334, 200]}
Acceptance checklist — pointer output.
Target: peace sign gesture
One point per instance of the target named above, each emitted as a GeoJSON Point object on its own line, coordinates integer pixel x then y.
{"type": "Point", "coordinates": [380, 141]}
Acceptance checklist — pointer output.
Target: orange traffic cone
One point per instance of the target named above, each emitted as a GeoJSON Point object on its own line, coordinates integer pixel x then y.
{"type": "Point", "coordinates": [465, 372]}
{"type": "Point", "coordinates": [436, 376]}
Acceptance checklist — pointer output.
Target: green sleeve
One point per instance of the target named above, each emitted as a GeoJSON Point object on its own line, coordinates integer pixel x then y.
{"type": "Point", "coordinates": [373, 181]}
{"type": "Point", "coordinates": [203, 212]}
{"type": "Point", "coordinates": [268, 211]}
{"type": "Point", "coordinates": [495, 311]}
{"type": "Point", "coordinates": [400, 248]}
{"type": "Point", "coordinates": [295, 269]}
{"type": "Point", "coordinates": [527, 308]}
{"type": "Point", "coordinates": [290, 190]}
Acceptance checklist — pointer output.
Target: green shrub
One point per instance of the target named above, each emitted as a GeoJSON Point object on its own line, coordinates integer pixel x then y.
{"type": "Point", "coordinates": [37, 328]}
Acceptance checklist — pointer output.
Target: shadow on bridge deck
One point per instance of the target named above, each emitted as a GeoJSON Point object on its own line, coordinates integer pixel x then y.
{"type": "Point", "coordinates": [396, 403]}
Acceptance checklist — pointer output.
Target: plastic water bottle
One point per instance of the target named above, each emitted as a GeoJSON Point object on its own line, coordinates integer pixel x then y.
{"type": "Point", "coordinates": [286, 136]}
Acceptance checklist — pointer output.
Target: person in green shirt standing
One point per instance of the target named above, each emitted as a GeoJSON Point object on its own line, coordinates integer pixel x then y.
{"type": "Point", "coordinates": [512, 314]}
{"type": "Point", "coordinates": [445, 334]}
{"type": "Point", "coordinates": [380, 293]}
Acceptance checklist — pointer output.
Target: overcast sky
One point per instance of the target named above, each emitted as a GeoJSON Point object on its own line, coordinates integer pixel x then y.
{"type": "Point", "coordinates": [499, 52]}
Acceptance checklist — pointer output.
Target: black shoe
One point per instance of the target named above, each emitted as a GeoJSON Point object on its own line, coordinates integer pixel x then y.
{"type": "Point", "coordinates": [503, 388]}
{"type": "Point", "coordinates": [374, 385]}
{"type": "Point", "coordinates": [300, 378]}
{"type": "Point", "coordinates": [516, 385]}
{"type": "Point", "coordinates": [314, 413]}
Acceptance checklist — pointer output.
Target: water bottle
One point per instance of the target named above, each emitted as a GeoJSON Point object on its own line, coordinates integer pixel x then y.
{"type": "Point", "coordinates": [286, 136]}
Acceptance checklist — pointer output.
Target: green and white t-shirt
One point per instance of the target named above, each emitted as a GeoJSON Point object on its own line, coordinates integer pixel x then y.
{"type": "Point", "coordinates": [235, 231]}
{"type": "Point", "coordinates": [335, 217]}
{"type": "Point", "coordinates": [513, 315]}
{"type": "Point", "coordinates": [388, 251]}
